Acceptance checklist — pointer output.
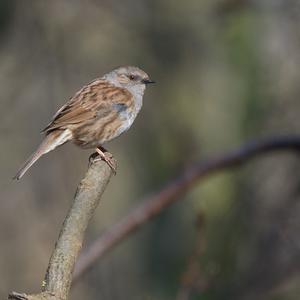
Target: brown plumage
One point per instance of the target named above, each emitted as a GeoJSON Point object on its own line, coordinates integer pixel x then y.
{"type": "Point", "coordinates": [89, 112]}
{"type": "Point", "coordinates": [97, 113]}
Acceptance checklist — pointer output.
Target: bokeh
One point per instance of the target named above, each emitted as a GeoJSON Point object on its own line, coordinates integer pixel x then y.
{"type": "Point", "coordinates": [227, 71]}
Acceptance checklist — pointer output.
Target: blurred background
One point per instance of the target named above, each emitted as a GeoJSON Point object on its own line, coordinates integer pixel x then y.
{"type": "Point", "coordinates": [227, 71]}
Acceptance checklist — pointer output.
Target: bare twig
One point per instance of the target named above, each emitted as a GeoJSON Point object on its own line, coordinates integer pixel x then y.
{"type": "Point", "coordinates": [192, 279]}
{"type": "Point", "coordinates": [59, 273]}
{"type": "Point", "coordinates": [155, 204]}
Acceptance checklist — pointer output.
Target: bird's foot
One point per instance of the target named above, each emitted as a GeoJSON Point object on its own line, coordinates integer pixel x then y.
{"type": "Point", "coordinates": [102, 154]}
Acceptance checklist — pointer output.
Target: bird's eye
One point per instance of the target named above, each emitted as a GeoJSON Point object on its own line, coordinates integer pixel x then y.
{"type": "Point", "coordinates": [132, 77]}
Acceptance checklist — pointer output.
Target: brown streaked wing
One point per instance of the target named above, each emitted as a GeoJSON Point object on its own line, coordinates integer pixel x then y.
{"type": "Point", "coordinates": [92, 101]}
{"type": "Point", "coordinates": [120, 96]}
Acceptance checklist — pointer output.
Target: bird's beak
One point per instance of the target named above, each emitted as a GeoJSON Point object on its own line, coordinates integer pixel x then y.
{"type": "Point", "coordinates": [147, 81]}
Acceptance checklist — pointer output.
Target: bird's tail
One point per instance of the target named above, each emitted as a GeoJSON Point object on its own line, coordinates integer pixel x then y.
{"type": "Point", "coordinates": [50, 142]}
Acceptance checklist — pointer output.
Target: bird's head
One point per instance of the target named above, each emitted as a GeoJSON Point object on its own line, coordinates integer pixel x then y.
{"type": "Point", "coordinates": [129, 77]}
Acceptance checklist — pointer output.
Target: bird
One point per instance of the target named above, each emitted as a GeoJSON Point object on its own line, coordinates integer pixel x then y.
{"type": "Point", "coordinates": [99, 112]}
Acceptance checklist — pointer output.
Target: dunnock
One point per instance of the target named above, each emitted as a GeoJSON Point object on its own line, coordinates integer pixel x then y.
{"type": "Point", "coordinates": [98, 113]}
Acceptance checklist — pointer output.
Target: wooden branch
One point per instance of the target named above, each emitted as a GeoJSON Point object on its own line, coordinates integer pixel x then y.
{"type": "Point", "coordinates": [155, 204]}
{"type": "Point", "coordinates": [60, 269]}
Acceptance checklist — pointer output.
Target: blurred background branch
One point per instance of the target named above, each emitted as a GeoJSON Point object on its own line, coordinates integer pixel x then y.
{"type": "Point", "coordinates": [156, 204]}
{"type": "Point", "coordinates": [192, 280]}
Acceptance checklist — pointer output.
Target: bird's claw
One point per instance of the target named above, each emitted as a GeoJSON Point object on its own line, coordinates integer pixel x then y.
{"type": "Point", "coordinates": [105, 156]}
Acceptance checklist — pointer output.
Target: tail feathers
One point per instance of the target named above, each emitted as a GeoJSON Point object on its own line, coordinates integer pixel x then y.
{"type": "Point", "coordinates": [29, 162]}
{"type": "Point", "coordinates": [50, 142]}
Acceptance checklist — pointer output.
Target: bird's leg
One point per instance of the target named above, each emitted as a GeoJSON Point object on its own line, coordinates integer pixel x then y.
{"type": "Point", "coordinates": [107, 157]}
